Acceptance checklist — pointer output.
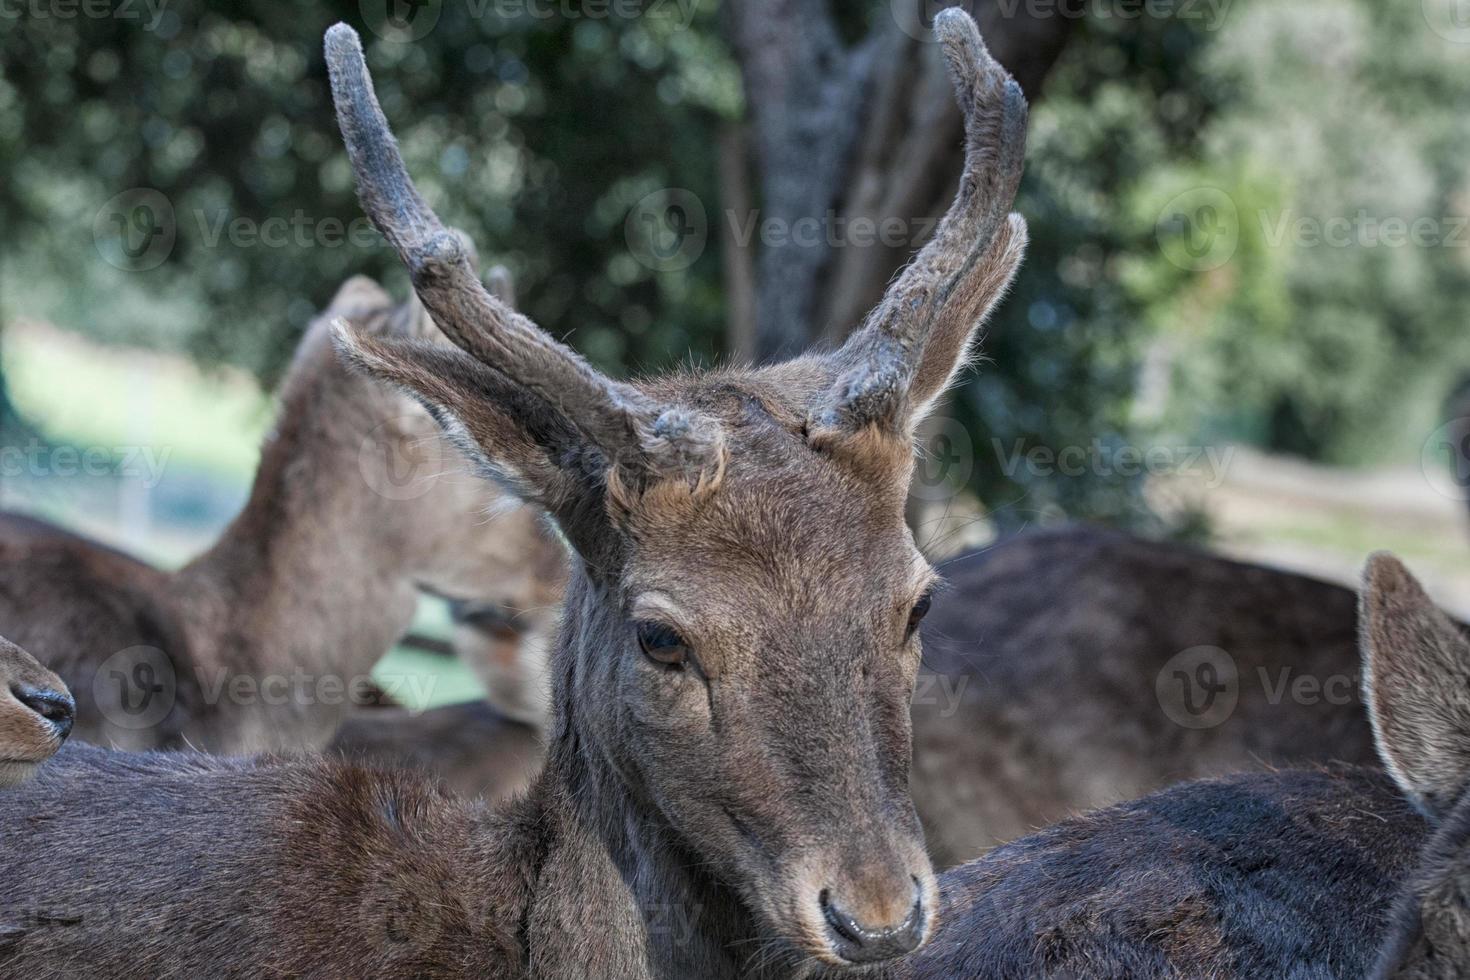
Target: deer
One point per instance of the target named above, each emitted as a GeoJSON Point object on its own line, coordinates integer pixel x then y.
{"type": "Point", "coordinates": [1320, 872]}
{"type": "Point", "coordinates": [1060, 675]}
{"type": "Point", "coordinates": [266, 639]}
{"type": "Point", "coordinates": [36, 714]}
{"type": "Point", "coordinates": [725, 787]}
{"type": "Point", "coordinates": [724, 791]}
{"type": "Point", "coordinates": [473, 748]}
{"type": "Point", "coordinates": [1429, 930]}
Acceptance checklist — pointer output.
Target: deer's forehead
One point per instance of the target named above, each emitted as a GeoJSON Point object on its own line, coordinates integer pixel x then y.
{"type": "Point", "coordinates": [778, 557]}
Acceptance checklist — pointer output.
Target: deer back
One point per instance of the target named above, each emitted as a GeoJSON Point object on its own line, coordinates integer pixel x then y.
{"type": "Point", "coordinates": [1288, 873]}
{"type": "Point", "coordinates": [1071, 668]}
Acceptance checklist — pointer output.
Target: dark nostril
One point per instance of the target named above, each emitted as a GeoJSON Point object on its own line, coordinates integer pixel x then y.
{"type": "Point", "coordinates": [57, 707]}
{"type": "Point", "coordinates": [857, 942]}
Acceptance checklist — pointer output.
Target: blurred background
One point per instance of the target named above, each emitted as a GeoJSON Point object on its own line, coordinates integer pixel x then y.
{"type": "Point", "coordinates": [1241, 321]}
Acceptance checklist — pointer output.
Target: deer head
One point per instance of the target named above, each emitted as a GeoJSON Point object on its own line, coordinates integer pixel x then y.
{"type": "Point", "coordinates": [740, 643]}
{"type": "Point", "coordinates": [36, 714]}
{"type": "Point", "coordinates": [1417, 686]}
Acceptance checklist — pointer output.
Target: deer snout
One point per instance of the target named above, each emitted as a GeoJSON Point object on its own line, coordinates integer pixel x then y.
{"type": "Point", "coordinates": [872, 922]}
{"type": "Point", "coordinates": [56, 708]}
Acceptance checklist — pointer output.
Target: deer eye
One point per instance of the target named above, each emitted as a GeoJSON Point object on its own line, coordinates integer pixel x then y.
{"type": "Point", "coordinates": [662, 644]}
{"type": "Point", "coordinates": [917, 614]}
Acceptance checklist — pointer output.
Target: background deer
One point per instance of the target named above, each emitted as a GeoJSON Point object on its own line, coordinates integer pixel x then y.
{"type": "Point", "coordinates": [1274, 874]}
{"type": "Point", "coordinates": [1048, 687]}
{"type": "Point", "coordinates": [725, 791]}
{"type": "Point", "coordinates": [474, 748]}
{"type": "Point", "coordinates": [266, 639]}
{"type": "Point", "coordinates": [36, 714]}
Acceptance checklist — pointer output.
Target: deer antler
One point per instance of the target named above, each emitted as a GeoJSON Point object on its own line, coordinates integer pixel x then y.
{"type": "Point", "coordinates": [962, 269]}
{"type": "Point", "coordinates": [628, 426]}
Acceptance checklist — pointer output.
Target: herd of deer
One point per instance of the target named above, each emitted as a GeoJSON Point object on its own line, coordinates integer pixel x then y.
{"type": "Point", "coordinates": [700, 766]}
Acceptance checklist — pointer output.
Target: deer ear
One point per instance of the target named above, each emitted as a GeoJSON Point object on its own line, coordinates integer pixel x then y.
{"type": "Point", "coordinates": [511, 434]}
{"type": "Point", "coordinates": [1416, 683]}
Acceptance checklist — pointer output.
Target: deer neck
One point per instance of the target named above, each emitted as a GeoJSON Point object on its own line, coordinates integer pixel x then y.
{"type": "Point", "coordinates": [619, 877]}
{"type": "Point", "coordinates": [304, 591]}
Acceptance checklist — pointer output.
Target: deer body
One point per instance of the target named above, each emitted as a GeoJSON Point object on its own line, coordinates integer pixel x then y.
{"type": "Point", "coordinates": [1048, 688]}
{"type": "Point", "coordinates": [725, 793]}
{"type": "Point", "coordinates": [472, 747]}
{"type": "Point", "coordinates": [267, 639]}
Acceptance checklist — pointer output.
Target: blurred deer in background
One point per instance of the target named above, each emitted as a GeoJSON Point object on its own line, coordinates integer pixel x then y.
{"type": "Point", "coordinates": [266, 639]}
{"type": "Point", "coordinates": [1053, 680]}
{"type": "Point", "coordinates": [1278, 874]}
{"type": "Point", "coordinates": [725, 792]}
{"type": "Point", "coordinates": [36, 714]}
{"type": "Point", "coordinates": [474, 748]}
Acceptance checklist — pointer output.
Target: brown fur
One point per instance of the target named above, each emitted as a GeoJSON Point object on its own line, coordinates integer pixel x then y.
{"type": "Point", "coordinates": [473, 748]}
{"type": "Point", "coordinates": [1043, 659]}
{"type": "Point", "coordinates": [693, 815]}
{"type": "Point", "coordinates": [28, 738]}
{"type": "Point", "coordinates": [755, 791]}
{"type": "Point", "coordinates": [303, 592]}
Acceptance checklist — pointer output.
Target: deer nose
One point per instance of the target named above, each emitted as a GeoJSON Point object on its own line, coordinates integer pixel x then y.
{"type": "Point", "coordinates": [56, 707]}
{"type": "Point", "coordinates": [857, 941]}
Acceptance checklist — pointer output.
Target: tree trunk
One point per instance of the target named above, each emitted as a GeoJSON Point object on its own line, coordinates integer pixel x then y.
{"type": "Point", "coordinates": [858, 149]}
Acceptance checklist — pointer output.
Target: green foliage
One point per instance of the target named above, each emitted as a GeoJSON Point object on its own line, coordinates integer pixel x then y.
{"type": "Point", "coordinates": [534, 134]}
{"type": "Point", "coordinates": [538, 134]}
{"type": "Point", "coordinates": [1334, 331]}
{"type": "Point", "coordinates": [1064, 351]}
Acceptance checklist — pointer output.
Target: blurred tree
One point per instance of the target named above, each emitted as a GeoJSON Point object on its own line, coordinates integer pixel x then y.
{"type": "Point", "coordinates": [533, 131]}
{"type": "Point", "coordinates": [174, 177]}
